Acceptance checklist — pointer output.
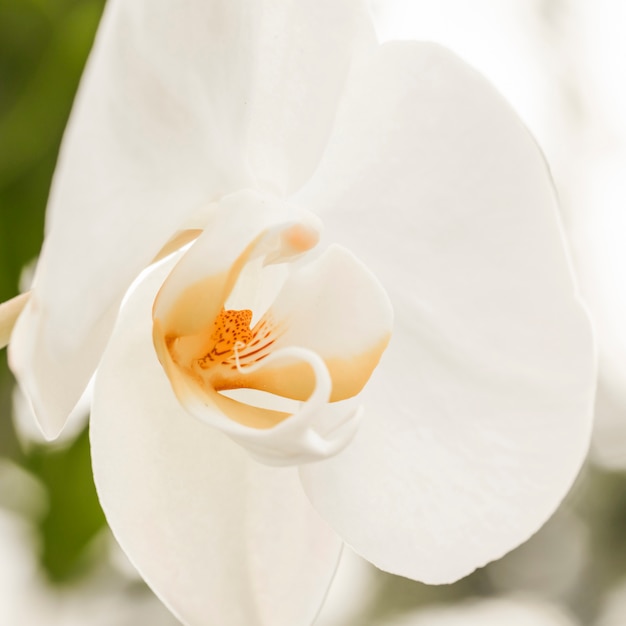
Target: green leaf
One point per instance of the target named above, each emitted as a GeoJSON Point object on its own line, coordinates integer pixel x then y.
{"type": "Point", "coordinates": [74, 516]}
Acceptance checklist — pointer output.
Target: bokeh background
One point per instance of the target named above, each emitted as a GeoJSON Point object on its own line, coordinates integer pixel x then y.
{"type": "Point", "coordinates": [562, 64]}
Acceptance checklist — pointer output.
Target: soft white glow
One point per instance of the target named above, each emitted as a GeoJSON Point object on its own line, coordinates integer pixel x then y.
{"type": "Point", "coordinates": [497, 612]}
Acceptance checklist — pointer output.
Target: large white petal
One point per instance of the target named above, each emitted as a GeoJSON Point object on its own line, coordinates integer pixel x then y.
{"type": "Point", "coordinates": [178, 106]}
{"type": "Point", "coordinates": [305, 50]}
{"type": "Point", "coordinates": [221, 539]}
{"type": "Point", "coordinates": [478, 416]}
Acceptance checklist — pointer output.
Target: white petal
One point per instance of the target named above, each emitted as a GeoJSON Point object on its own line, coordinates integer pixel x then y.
{"type": "Point", "coordinates": [305, 49]}
{"type": "Point", "coordinates": [177, 107]}
{"type": "Point", "coordinates": [478, 416]}
{"type": "Point", "coordinates": [148, 144]}
{"type": "Point", "coordinates": [28, 430]}
{"type": "Point", "coordinates": [221, 539]}
{"type": "Point", "coordinates": [355, 586]}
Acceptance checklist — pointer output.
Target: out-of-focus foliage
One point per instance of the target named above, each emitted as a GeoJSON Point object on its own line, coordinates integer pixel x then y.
{"type": "Point", "coordinates": [43, 47]}
{"type": "Point", "coordinates": [73, 514]}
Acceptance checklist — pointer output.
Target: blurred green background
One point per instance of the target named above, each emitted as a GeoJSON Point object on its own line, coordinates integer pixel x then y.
{"type": "Point", "coordinates": [43, 47]}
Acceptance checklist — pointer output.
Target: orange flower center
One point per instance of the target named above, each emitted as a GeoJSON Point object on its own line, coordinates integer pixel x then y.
{"type": "Point", "coordinates": [229, 329]}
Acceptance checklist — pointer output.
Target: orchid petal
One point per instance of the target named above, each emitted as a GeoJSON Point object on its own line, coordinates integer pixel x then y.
{"type": "Point", "coordinates": [149, 146]}
{"type": "Point", "coordinates": [478, 417]}
{"type": "Point", "coordinates": [221, 539]}
{"type": "Point", "coordinates": [305, 52]}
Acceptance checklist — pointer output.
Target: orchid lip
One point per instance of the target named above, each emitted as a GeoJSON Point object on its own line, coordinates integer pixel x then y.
{"type": "Point", "coordinates": [212, 336]}
{"type": "Point", "coordinates": [306, 443]}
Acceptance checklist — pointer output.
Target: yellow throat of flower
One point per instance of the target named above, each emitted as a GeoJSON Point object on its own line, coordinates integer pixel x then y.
{"type": "Point", "coordinates": [316, 339]}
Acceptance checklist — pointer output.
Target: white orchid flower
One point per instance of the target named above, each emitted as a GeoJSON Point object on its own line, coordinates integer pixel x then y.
{"type": "Point", "coordinates": [244, 126]}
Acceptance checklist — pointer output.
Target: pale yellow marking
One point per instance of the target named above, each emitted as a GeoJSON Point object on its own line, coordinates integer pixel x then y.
{"type": "Point", "coordinates": [180, 239]}
{"type": "Point", "coordinates": [190, 389]}
{"type": "Point", "coordinates": [193, 312]}
{"type": "Point", "coordinates": [200, 363]}
{"type": "Point", "coordinates": [200, 303]}
{"type": "Point", "coordinates": [297, 381]}
{"type": "Point", "coordinates": [9, 312]}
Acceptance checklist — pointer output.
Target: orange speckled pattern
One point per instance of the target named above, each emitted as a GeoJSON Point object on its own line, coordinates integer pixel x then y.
{"type": "Point", "coordinates": [230, 327]}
